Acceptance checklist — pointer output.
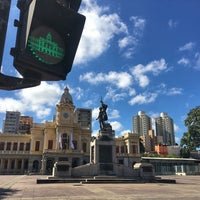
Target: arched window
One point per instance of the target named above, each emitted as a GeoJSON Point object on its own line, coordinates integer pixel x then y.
{"type": "Point", "coordinates": [35, 166]}
{"type": "Point", "coordinates": [65, 141]}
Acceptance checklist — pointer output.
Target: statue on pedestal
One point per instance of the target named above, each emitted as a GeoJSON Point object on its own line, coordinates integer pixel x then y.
{"type": "Point", "coordinates": [102, 115]}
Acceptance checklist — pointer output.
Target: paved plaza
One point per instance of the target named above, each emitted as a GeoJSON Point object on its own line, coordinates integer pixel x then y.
{"type": "Point", "coordinates": [23, 187]}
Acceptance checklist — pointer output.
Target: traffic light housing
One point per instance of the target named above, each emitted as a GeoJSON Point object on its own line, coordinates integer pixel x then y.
{"type": "Point", "coordinates": [48, 35]}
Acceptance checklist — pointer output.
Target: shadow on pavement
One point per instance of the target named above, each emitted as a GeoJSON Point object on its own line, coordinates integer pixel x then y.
{"type": "Point", "coordinates": [6, 192]}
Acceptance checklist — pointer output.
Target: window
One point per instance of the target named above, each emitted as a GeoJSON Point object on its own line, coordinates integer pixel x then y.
{"type": "Point", "coordinates": [15, 146]}
{"type": "Point", "coordinates": [21, 146]}
{"type": "Point", "coordinates": [19, 164]}
{"type": "Point", "coordinates": [84, 147]}
{"type": "Point", "coordinates": [28, 145]}
{"type": "Point", "coordinates": [134, 147]}
{"type": "Point", "coordinates": [8, 147]}
{"type": "Point", "coordinates": [65, 141]}
{"type": "Point", "coordinates": [122, 149]}
{"type": "Point", "coordinates": [26, 164]}
{"type": "Point", "coordinates": [5, 164]}
{"type": "Point", "coordinates": [75, 144]}
{"type": "Point", "coordinates": [37, 145]}
{"type": "Point", "coordinates": [121, 162]}
{"type": "Point", "coordinates": [12, 164]}
{"type": "Point", "coordinates": [50, 144]}
{"type": "Point", "coordinates": [117, 149]}
{"type": "Point", "coordinates": [2, 144]}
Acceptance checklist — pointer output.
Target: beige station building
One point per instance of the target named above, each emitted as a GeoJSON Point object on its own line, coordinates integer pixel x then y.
{"type": "Point", "coordinates": [67, 138]}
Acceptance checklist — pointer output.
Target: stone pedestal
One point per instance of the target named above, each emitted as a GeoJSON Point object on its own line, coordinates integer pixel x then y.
{"type": "Point", "coordinates": [62, 169]}
{"type": "Point", "coordinates": [103, 151]}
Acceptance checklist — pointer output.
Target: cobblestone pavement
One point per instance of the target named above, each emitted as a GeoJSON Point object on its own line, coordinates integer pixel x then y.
{"type": "Point", "coordinates": [24, 187]}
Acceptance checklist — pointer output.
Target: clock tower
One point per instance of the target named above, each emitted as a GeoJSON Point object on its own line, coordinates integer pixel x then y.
{"type": "Point", "coordinates": [65, 110]}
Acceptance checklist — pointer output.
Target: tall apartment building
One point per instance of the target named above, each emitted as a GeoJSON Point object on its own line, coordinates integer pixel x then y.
{"type": "Point", "coordinates": [142, 123]}
{"type": "Point", "coordinates": [11, 122]}
{"type": "Point", "coordinates": [84, 117]}
{"type": "Point", "coordinates": [165, 128]}
{"type": "Point", "coordinates": [15, 123]}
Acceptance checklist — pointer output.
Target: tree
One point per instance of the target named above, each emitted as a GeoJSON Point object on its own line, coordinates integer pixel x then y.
{"type": "Point", "coordinates": [191, 139]}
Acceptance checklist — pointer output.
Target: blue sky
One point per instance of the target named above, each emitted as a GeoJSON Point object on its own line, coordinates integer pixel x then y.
{"type": "Point", "coordinates": [136, 54]}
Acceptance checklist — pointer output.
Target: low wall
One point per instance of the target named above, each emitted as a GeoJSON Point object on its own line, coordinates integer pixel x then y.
{"type": "Point", "coordinates": [124, 171]}
{"type": "Point", "coordinates": [85, 170]}
{"type": "Point", "coordinates": [93, 170]}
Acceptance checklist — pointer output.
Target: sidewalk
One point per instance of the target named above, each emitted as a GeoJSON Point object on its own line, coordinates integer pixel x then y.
{"type": "Point", "coordinates": [25, 188]}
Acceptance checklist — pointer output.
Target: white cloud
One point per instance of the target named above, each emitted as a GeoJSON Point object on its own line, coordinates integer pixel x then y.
{"type": "Point", "coordinates": [95, 113]}
{"type": "Point", "coordinates": [171, 91]}
{"type": "Point", "coordinates": [114, 114]}
{"type": "Point", "coordinates": [117, 126]}
{"type": "Point", "coordinates": [154, 67]}
{"type": "Point", "coordinates": [114, 94]}
{"type": "Point", "coordinates": [176, 128]}
{"type": "Point", "coordinates": [172, 23]}
{"type": "Point", "coordinates": [197, 61]}
{"type": "Point", "coordinates": [126, 41]}
{"type": "Point", "coordinates": [193, 62]}
{"type": "Point", "coordinates": [95, 132]}
{"type": "Point", "coordinates": [144, 98]}
{"type": "Point", "coordinates": [175, 91]}
{"type": "Point", "coordinates": [125, 131]}
{"type": "Point", "coordinates": [37, 100]}
{"type": "Point", "coordinates": [129, 43]}
{"type": "Point", "coordinates": [119, 79]}
{"type": "Point", "coordinates": [76, 92]}
{"type": "Point", "coordinates": [139, 24]}
{"type": "Point", "coordinates": [187, 47]}
{"type": "Point", "coordinates": [184, 61]}
{"type": "Point", "coordinates": [88, 103]}
{"type": "Point", "coordinates": [11, 104]}
{"type": "Point", "coordinates": [100, 27]}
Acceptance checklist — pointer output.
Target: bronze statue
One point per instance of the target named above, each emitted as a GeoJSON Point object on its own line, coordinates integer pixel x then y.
{"type": "Point", "coordinates": [102, 115]}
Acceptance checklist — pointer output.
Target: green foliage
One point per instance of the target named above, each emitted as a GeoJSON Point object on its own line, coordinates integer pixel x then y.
{"type": "Point", "coordinates": [185, 152]}
{"type": "Point", "coordinates": [191, 139]}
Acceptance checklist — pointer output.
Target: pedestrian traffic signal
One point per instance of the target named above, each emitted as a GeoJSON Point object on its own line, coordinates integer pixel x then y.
{"type": "Point", "coordinates": [47, 39]}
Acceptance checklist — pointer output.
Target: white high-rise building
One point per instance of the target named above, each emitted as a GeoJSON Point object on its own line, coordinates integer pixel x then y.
{"type": "Point", "coordinates": [142, 124]}
{"type": "Point", "coordinates": [165, 128]}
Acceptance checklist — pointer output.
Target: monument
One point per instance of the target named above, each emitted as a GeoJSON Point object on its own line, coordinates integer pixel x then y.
{"type": "Point", "coordinates": [103, 159]}
{"type": "Point", "coordinates": [103, 165]}
{"type": "Point", "coordinates": [103, 145]}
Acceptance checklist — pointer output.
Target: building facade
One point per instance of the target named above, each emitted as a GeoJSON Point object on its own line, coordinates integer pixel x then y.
{"type": "Point", "coordinates": [15, 123]}
{"type": "Point", "coordinates": [66, 139]}
{"type": "Point", "coordinates": [165, 128]}
{"type": "Point", "coordinates": [142, 123]}
{"type": "Point", "coordinates": [25, 124]}
{"type": "Point", "coordinates": [11, 122]}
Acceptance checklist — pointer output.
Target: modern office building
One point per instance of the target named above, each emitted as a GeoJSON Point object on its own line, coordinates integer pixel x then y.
{"type": "Point", "coordinates": [165, 128]}
{"type": "Point", "coordinates": [142, 123]}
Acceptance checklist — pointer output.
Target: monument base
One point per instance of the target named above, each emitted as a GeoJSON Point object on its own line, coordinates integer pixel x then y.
{"type": "Point", "coordinates": [62, 169]}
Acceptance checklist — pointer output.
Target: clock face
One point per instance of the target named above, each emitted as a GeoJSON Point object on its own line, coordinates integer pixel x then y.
{"type": "Point", "coordinates": [65, 115]}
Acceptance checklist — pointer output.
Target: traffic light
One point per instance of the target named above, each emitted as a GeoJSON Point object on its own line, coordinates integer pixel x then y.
{"type": "Point", "coordinates": [48, 35]}
{"type": "Point", "coordinates": [10, 82]}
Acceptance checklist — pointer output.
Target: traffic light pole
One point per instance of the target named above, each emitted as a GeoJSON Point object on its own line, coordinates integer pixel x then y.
{"type": "Point", "coordinates": [9, 82]}
{"type": "Point", "coordinates": [4, 14]}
